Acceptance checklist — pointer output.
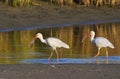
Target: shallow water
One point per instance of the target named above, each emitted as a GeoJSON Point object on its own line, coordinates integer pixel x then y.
{"type": "Point", "coordinates": [15, 49]}
{"type": "Point", "coordinates": [100, 60]}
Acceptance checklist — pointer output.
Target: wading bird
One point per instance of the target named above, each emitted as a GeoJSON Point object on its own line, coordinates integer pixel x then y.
{"type": "Point", "coordinates": [52, 42]}
{"type": "Point", "coordinates": [99, 42]}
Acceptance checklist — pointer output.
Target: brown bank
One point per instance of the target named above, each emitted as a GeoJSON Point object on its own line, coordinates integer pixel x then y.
{"type": "Point", "coordinates": [12, 18]}
{"type": "Point", "coordinates": [48, 15]}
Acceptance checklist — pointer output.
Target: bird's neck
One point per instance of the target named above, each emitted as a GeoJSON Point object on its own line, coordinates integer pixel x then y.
{"type": "Point", "coordinates": [42, 40]}
{"type": "Point", "coordinates": [92, 38]}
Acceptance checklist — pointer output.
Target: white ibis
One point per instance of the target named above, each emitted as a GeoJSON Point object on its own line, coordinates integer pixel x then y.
{"type": "Point", "coordinates": [52, 42]}
{"type": "Point", "coordinates": [99, 42]}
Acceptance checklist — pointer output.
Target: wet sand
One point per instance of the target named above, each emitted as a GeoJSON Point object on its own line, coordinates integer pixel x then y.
{"type": "Point", "coordinates": [46, 16]}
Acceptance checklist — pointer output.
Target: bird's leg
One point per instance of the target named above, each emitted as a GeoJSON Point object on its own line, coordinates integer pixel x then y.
{"type": "Point", "coordinates": [50, 55]}
{"type": "Point", "coordinates": [106, 52]}
{"type": "Point", "coordinates": [106, 55]}
{"type": "Point", "coordinates": [57, 55]}
{"type": "Point", "coordinates": [97, 53]}
{"type": "Point", "coordinates": [106, 60]}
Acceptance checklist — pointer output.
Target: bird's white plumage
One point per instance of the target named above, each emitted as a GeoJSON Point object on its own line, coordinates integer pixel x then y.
{"type": "Point", "coordinates": [102, 42]}
{"type": "Point", "coordinates": [55, 42]}
{"type": "Point", "coordinates": [52, 42]}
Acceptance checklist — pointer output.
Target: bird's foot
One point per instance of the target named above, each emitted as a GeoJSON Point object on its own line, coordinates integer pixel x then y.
{"type": "Point", "coordinates": [94, 57]}
{"type": "Point", "coordinates": [49, 61]}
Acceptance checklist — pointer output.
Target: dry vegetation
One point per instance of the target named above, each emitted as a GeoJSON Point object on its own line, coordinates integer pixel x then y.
{"type": "Point", "coordinates": [22, 3]}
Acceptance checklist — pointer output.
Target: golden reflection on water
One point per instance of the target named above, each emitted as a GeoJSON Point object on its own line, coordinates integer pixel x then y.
{"type": "Point", "coordinates": [14, 45]}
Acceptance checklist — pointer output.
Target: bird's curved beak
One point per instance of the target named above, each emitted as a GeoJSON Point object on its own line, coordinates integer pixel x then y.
{"type": "Point", "coordinates": [85, 37]}
{"type": "Point", "coordinates": [32, 42]}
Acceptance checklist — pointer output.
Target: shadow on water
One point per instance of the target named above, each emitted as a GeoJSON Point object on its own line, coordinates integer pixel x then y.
{"type": "Point", "coordinates": [14, 45]}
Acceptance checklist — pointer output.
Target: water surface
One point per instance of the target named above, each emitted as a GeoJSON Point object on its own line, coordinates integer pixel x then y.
{"type": "Point", "coordinates": [14, 45]}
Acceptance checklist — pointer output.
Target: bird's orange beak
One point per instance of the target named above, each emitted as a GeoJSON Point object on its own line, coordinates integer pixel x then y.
{"type": "Point", "coordinates": [85, 37]}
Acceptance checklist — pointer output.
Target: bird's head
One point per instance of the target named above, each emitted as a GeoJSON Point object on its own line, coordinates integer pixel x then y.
{"type": "Point", "coordinates": [90, 34]}
{"type": "Point", "coordinates": [39, 35]}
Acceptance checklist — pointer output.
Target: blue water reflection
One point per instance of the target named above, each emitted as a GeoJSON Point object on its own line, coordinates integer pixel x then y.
{"type": "Point", "coordinates": [99, 60]}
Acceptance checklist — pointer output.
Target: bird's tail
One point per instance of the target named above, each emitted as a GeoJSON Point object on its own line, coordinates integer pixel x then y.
{"type": "Point", "coordinates": [67, 46]}
{"type": "Point", "coordinates": [111, 45]}
{"type": "Point", "coordinates": [64, 45]}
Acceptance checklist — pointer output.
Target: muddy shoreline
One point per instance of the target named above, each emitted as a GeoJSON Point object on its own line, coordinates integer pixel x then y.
{"type": "Point", "coordinates": [53, 16]}
{"type": "Point", "coordinates": [66, 71]}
